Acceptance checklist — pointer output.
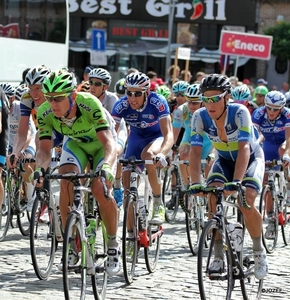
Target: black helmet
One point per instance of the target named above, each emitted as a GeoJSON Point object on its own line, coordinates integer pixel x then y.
{"type": "Point", "coordinates": [215, 82]}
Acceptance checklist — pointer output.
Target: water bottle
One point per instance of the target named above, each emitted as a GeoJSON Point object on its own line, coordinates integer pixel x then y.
{"type": "Point", "coordinates": [142, 213]}
{"type": "Point", "coordinates": [91, 232]}
{"type": "Point", "coordinates": [235, 231]}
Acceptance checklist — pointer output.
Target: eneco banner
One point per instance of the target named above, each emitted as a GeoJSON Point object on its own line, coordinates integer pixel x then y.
{"type": "Point", "coordinates": [245, 44]}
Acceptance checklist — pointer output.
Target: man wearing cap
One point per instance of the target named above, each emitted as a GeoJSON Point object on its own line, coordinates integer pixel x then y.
{"type": "Point", "coordinates": [85, 77]}
{"type": "Point", "coordinates": [262, 81]}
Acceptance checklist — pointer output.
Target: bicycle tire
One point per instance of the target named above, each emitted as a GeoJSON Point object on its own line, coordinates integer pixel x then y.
{"type": "Point", "coordinates": [284, 221]}
{"type": "Point", "coordinates": [23, 216]}
{"type": "Point", "coordinates": [74, 275]}
{"type": "Point", "coordinates": [167, 195]}
{"type": "Point", "coordinates": [221, 287]}
{"type": "Point", "coordinates": [269, 244]}
{"type": "Point", "coordinates": [250, 286]}
{"type": "Point", "coordinates": [42, 240]}
{"type": "Point", "coordinates": [5, 210]}
{"type": "Point", "coordinates": [193, 224]}
{"type": "Point", "coordinates": [100, 278]}
{"type": "Point", "coordinates": [152, 251]}
{"type": "Point", "coordinates": [129, 243]}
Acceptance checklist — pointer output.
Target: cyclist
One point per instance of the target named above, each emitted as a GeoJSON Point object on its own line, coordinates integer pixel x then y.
{"type": "Point", "coordinates": [82, 120]}
{"type": "Point", "coordinates": [151, 137]}
{"type": "Point", "coordinates": [3, 137]}
{"type": "Point", "coordinates": [273, 124]}
{"type": "Point", "coordinates": [14, 97]}
{"type": "Point", "coordinates": [28, 107]}
{"type": "Point", "coordinates": [259, 95]}
{"type": "Point", "coordinates": [100, 80]}
{"type": "Point", "coordinates": [241, 94]}
{"type": "Point", "coordinates": [239, 159]}
{"type": "Point", "coordinates": [182, 118]}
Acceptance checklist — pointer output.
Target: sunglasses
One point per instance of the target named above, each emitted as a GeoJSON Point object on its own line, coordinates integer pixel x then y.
{"type": "Point", "coordinates": [260, 95]}
{"type": "Point", "coordinates": [194, 102]}
{"type": "Point", "coordinates": [135, 94]}
{"type": "Point", "coordinates": [179, 94]}
{"type": "Point", "coordinates": [96, 83]}
{"type": "Point", "coordinates": [213, 99]}
{"type": "Point", "coordinates": [272, 109]}
{"type": "Point", "coordinates": [57, 98]}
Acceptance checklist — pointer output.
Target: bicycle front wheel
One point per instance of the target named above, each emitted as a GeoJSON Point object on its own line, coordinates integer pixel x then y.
{"type": "Point", "coordinates": [213, 285]}
{"type": "Point", "coordinates": [129, 240]}
{"type": "Point", "coordinates": [23, 216]}
{"type": "Point", "coordinates": [5, 212]}
{"type": "Point", "coordinates": [269, 225]}
{"type": "Point", "coordinates": [193, 224]}
{"type": "Point", "coordinates": [170, 196]}
{"type": "Point", "coordinates": [42, 239]}
{"type": "Point", "coordinates": [99, 279]}
{"type": "Point", "coordinates": [74, 260]}
{"type": "Point", "coordinates": [284, 221]}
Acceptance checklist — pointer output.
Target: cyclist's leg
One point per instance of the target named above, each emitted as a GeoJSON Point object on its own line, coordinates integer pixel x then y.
{"type": "Point", "coordinates": [77, 159]}
{"type": "Point", "coordinates": [252, 217]}
{"type": "Point", "coordinates": [2, 163]}
{"type": "Point", "coordinates": [184, 149]}
{"type": "Point", "coordinates": [286, 172]}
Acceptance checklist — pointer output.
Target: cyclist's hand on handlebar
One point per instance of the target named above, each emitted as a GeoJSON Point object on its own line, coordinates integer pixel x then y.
{"type": "Point", "coordinates": [286, 160]}
{"type": "Point", "coordinates": [160, 160]}
{"type": "Point", "coordinates": [107, 179]}
{"type": "Point", "coordinates": [37, 175]}
{"type": "Point", "coordinates": [11, 160]}
{"type": "Point", "coordinates": [231, 187]}
{"type": "Point", "coordinates": [196, 189]}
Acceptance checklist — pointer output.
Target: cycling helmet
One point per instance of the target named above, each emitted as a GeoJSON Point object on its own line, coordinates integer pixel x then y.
{"type": "Point", "coordinates": [102, 74]}
{"type": "Point", "coordinates": [287, 96]}
{"type": "Point", "coordinates": [214, 82]}
{"type": "Point", "coordinates": [275, 98]}
{"type": "Point", "coordinates": [8, 89]}
{"type": "Point", "coordinates": [59, 81]}
{"type": "Point", "coordinates": [164, 91]}
{"type": "Point", "coordinates": [85, 86]}
{"type": "Point", "coordinates": [120, 87]}
{"type": "Point", "coordinates": [36, 75]}
{"type": "Point", "coordinates": [21, 90]}
{"type": "Point", "coordinates": [262, 90]}
{"type": "Point", "coordinates": [137, 80]}
{"type": "Point", "coordinates": [241, 93]}
{"type": "Point", "coordinates": [193, 93]}
{"type": "Point", "coordinates": [180, 86]}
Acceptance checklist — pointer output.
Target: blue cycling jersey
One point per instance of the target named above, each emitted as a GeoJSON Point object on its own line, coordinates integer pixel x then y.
{"type": "Point", "coordinates": [273, 131]}
{"type": "Point", "coordinates": [238, 128]}
{"type": "Point", "coordinates": [143, 122]}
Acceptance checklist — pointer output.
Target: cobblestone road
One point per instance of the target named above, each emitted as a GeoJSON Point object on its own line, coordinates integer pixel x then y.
{"type": "Point", "coordinates": [175, 277]}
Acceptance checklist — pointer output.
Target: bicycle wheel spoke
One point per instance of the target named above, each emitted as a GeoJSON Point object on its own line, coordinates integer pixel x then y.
{"type": "Point", "coordinates": [99, 279]}
{"type": "Point", "coordinates": [42, 239]}
{"type": "Point", "coordinates": [73, 264]}
{"type": "Point", "coordinates": [129, 241]}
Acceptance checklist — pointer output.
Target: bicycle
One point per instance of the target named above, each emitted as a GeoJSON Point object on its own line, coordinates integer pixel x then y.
{"type": "Point", "coordinates": [45, 227]}
{"type": "Point", "coordinates": [277, 188]}
{"type": "Point", "coordinates": [92, 252]}
{"type": "Point", "coordinates": [136, 217]}
{"type": "Point", "coordinates": [238, 262]}
{"type": "Point", "coordinates": [14, 202]}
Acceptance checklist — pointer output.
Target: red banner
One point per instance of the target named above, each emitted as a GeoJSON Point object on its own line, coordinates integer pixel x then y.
{"type": "Point", "coordinates": [11, 30]}
{"type": "Point", "coordinates": [245, 44]}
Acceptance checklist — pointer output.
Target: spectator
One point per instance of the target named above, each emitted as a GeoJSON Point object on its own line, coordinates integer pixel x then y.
{"type": "Point", "coordinates": [152, 76]}
{"type": "Point", "coordinates": [87, 70]}
{"type": "Point", "coordinates": [198, 77]}
{"type": "Point", "coordinates": [285, 88]}
{"type": "Point", "coordinates": [262, 81]}
{"type": "Point", "coordinates": [186, 77]}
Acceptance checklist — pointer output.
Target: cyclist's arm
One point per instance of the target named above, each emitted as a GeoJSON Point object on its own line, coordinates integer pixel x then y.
{"type": "Point", "coordinates": [287, 138]}
{"type": "Point", "coordinates": [242, 160]}
{"type": "Point", "coordinates": [43, 154]}
{"type": "Point", "coordinates": [21, 136]}
{"type": "Point", "coordinates": [195, 163]}
{"type": "Point", "coordinates": [110, 153]}
{"type": "Point", "coordinates": [167, 132]}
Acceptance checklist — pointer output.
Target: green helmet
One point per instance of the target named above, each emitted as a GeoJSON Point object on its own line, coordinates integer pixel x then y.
{"type": "Point", "coordinates": [60, 81]}
{"type": "Point", "coordinates": [262, 90]}
{"type": "Point", "coordinates": [164, 91]}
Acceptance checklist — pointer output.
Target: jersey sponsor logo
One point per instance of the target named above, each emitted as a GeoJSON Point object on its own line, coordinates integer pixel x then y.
{"type": "Point", "coordinates": [121, 106]}
{"type": "Point", "coordinates": [47, 112]}
{"type": "Point", "coordinates": [26, 97]}
{"type": "Point", "coordinates": [13, 126]}
{"type": "Point", "coordinates": [97, 114]}
{"type": "Point", "coordinates": [85, 107]}
{"type": "Point", "coordinates": [147, 116]}
{"type": "Point", "coordinates": [132, 117]}
{"type": "Point", "coordinates": [157, 103]}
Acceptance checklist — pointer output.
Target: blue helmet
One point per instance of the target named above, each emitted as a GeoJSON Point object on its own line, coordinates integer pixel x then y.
{"type": "Point", "coordinates": [180, 86]}
{"type": "Point", "coordinates": [241, 93]}
{"type": "Point", "coordinates": [275, 98]}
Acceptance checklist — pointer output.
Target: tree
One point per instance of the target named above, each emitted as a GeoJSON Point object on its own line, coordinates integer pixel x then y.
{"type": "Point", "coordinates": [281, 39]}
